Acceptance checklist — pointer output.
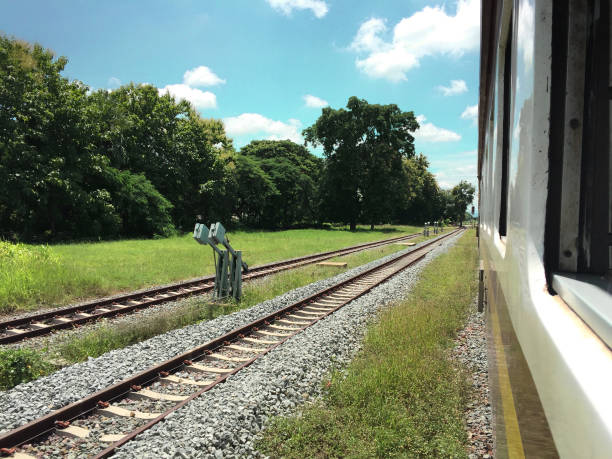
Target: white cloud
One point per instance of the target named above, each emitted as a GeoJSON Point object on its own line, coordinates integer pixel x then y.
{"type": "Point", "coordinates": [114, 82]}
{"type": "Point", "coordinates": [452, 168]}
{"type": "Point", "coordinates": [443, 181]}
{"type": "Point", "coordinates": [254, 123]}
{"type": "Point", "coordinates": [201, 76]}
{"type": "Point", "coordinates": [427, 32]}
{"type": "Point", "coordinates": [367, 38]}
{"type": "Point", "coordinates": [470, 113]}
{"type": "Point", "coordinates": [428, 132]}
{"type": "Point", "coordinates": [526, 27]}
{"type": "Point", "coordinates": [199, 99]}
{"type": "Point", "coordinates": [318, 7]}
{"type": "Point", "coordinates": [456, 87]}
{"type": "Point", "coordinates": [314, 101]}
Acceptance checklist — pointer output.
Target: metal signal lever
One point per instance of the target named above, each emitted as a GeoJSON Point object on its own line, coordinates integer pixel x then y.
{"type": "Point", "coordinates": [228, 270]}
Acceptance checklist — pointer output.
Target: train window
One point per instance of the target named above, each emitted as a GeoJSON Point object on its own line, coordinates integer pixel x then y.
{"type": "Point", "coordinates": [578, 242]}
{"type": "Point", "coordinates": [507, 90]}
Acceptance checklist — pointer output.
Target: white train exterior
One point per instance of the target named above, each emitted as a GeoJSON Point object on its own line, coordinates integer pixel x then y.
{"type": "Point", "coordinates": [546, 224]}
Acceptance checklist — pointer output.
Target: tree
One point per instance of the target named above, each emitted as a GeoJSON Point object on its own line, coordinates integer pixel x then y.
{"type": "Point", "coordinates": [364, 147]}
{"type": "Point", "coordinates": [446, 204]}
{"type": "Point", "coordinates": [295, 173]}
{"type": "Point", "coordinates": [75, 164]}
{"type": "Point", "coordinates": [143, 210]}
{"type": "Point", "coordinates": [167, 141]}
{"type": "Point", "coordinates": [50, 175]}
{"type": "Point", "coordinates": [253, 188]}
{"type": "Point", "coordinates": [419, 192]}
{"type": "Point", "coordinates": [463, 195]}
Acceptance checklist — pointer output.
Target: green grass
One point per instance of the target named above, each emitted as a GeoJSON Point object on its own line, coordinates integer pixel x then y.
{"type": "Point", "coordinates": [197, 309]}
{"type": "Point", "coordinates": [107, 338]}
{"type": "Point", "coordinates": [401, 396]}
{"type": "Point", "coordinates": [47, 358]}
{"type": "Point", "coordinates": [60, 274]}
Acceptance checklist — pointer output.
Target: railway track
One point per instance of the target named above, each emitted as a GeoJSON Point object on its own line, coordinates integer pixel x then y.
{"type": "Point", "coordinates": [16, 330]}
{"type": "Point", "coordinates": [151, 395]}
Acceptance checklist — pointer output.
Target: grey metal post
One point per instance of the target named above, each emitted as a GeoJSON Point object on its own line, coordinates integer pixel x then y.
{"type": "Point", "coordinates": [221, 275]}
{"type": "Point", "coordinates": [237, 275]}
{"type": "Point", "coordinates": [481, 288]}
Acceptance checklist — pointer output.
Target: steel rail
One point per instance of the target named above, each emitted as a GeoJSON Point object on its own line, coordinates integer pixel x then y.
{"type": "Point", "coordinates": [46, 424]}
{"type": "Point", "coordinates": [16, 330]}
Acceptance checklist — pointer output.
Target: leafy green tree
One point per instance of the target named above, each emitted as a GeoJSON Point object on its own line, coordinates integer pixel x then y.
{"type": "Point", "coordinates": [168, 142]}
{"type": "Point", "coordinates": [295, 173]}
{"type": "Point", "coordinates": [446, 204]}
{"type": "Point", "coordinates": [364, 147]}
{"type": "Point", "coordinates": [253, 189]}
{"type": "Point", "coordinates": [419, 192]}
{"type": "Point", "coordinates": [143, 210]}
{"type": "Point", "coordinates": [48, 170]}
{"type": "Point", "coordinates": [80, 165]}
{"type": "Point", "coordinates": [463, 195]}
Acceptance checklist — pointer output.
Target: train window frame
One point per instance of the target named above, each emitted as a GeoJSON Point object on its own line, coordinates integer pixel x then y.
{"type": "Point", "coordinates": [502, 108]}
{"type": "Point", "coordinates": [505, 125]}
{"type": "Point", "coordinates": [578, 221]}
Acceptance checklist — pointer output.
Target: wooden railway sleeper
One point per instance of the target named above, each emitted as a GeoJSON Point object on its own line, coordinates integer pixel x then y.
{"type": "Point", "coordinates": [256, 350]}
{"type": "Point", "coordinates": [188, 381]}
{"type": "Point", "coordinates": [259, 341]}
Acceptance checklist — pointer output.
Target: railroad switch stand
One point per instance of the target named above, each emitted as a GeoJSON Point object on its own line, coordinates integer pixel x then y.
{"type": "Point", "coordinates": [229, 266]}
{"type": "Point", "coordinates": [437, 228]}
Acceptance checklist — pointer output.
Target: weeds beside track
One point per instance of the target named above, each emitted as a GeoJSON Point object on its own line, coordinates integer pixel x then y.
{"type": "Point", "coordinates": [213, 362]}
{"type": "Point", "coordinates": [32, 276]}
{"type": "Point", "coordinates": [401, 396]}
{"type": "Point", "coordinates": [107, 337]}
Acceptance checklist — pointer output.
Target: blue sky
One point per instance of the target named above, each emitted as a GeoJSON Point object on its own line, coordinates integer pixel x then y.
{"type": "Point", "coordinates": [265, 67]}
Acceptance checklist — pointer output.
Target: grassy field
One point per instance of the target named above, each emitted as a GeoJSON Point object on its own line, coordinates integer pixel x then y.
{"type": "Point", "coordinates": [197, 309]}
{"type": "Point", "coordinates": [401, 396]}
{"type": "Point", "coordinates": [46, 358]}
{"type": "Point", "coordinates": [35, 276]}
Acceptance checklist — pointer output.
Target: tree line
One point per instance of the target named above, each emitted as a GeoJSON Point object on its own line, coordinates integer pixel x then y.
{"type": "Point", "coordinates": [83, 164]}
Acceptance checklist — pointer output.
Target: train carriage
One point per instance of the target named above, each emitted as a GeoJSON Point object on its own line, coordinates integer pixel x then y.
{"type": "Point", "coordinates": [545, 230]}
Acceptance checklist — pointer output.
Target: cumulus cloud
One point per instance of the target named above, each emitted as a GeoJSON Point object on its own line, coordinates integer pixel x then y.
{"type": "Point", "coordinates": [198, 98]}
{"type": "Point", "coordinates": [254, 123]}
{"type": "Point", "coordinates": [452, 168]}
{"type": "Point", "coordinates": [114, 82]}
{"type": "Point", "coordinates": [428, 132]}
{"type": "Point", "coordinates": [315, 102]}
{"type": "Point", "coordinates": [201, 76]}
{"type": "Point", "coordinates": [318, 7]}
{"type": "Point", "coordinates": [470, 113]}
{"type": "Point", "coordinates": [430, 31]}
{"type": "Point", "coordinates": [456, 87]}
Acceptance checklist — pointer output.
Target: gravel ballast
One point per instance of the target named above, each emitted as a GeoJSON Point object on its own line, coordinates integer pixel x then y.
{"type": "Point", "coordinates": [223, 421]}
{"type": "Point", "coordinates": [471, 351]}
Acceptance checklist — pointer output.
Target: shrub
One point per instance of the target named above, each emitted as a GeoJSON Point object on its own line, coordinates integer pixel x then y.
{"type": "Point", "coordinates": [143, 209]}
{"type": "Point", "coordinates": [19, 266]}
{"type": "Point", "coordinates": [21, 365]}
